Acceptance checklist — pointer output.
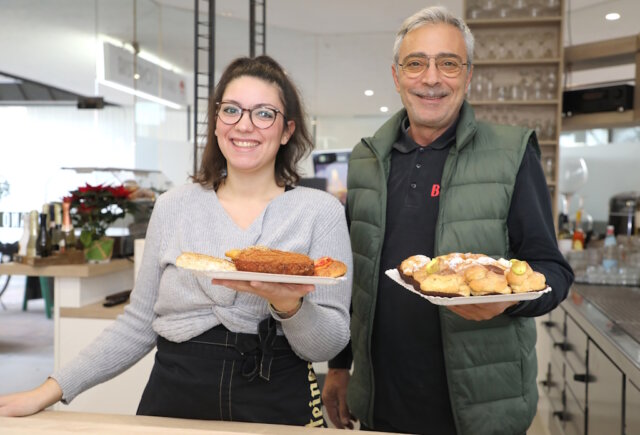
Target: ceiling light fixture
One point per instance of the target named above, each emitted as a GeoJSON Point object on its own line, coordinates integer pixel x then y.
{"type": "Point", "coordinates": [368, 92]}
{"type": "Point", "coordinates": [612, 16]}
{"type": "Point", "coordinates": [100, 78]}
{"type": "Point", "coordinates": [141, 54]}
{"type": "Point", "coordinates": [384, 109]}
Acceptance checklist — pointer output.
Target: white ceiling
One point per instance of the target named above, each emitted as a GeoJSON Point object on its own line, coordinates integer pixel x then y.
{"type": "Point", "coordinates": [334, 49]}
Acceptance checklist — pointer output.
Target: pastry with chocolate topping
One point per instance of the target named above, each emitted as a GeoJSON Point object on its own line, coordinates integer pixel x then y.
{"type": "Point", "coordinates": [411, 265]}
{"type": "Point", "coordinates": [486, 279]}
{"type": "Point", "coordinates": [437, 279]}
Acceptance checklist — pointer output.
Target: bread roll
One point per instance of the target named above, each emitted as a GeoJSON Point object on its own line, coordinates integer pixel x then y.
{"type": "Point", "coordinates": [195, 261]}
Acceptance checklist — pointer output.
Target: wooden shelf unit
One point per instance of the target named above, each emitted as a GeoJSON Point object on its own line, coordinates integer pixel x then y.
{"type": "Point", "coordinates": [510, 22]}
{"type": "Point", "coordinates": [516, 62]}
{"type": "Point", "coordinates": [528, 108]}
{"type": "Point", "coordinates": [513, 102]}
{"type": "Point", "coordinates": [612, 52]}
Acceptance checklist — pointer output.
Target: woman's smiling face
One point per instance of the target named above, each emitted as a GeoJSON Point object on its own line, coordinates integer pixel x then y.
{"type": "Point", "coordinates": [249, 149]}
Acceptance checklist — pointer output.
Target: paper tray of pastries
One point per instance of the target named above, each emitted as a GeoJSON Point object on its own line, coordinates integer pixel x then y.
{"type": "Point", "coordinates": [457, 278]}
{"type": "Point", "coordinates": [464, 300]}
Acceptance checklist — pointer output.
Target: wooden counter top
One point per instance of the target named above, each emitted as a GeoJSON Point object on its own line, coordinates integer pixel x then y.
{"type": "Point", "coordinates": [61, 422]}
{"type": "Point", "coordinates": [71, 270]}
{"type": "Point", "coordinates": [93, 311]}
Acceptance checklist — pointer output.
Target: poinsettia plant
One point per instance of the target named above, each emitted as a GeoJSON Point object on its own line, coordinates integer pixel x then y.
{"type": "Point", "coordinates": [95, 208]}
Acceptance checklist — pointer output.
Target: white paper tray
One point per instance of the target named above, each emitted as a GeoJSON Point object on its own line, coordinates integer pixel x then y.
{"type": "Point", "coordinates": [462, 300]}
{"type": "Point", "coordinates": [235, 275]}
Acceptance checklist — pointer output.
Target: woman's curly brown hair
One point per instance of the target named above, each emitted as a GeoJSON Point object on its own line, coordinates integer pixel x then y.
{"type": "Point", "coordinates": [212, 170]}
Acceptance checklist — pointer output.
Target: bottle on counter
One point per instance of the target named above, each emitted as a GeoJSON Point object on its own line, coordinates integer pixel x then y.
{"type": "Point", "coordinates": [55, 226]}
{"type": "Point", "coordinates": [68, 237]}
{"type": "Point", "coordinates": [33, 234]}
{"type": "Point", "coordinates": [578, 233]}
{"type": "Point", "coordinates": [610, 251]}
{"type": "Point", "coordinates": [24, 240]}
{"type": "Point", "coordinates": [43, 243]}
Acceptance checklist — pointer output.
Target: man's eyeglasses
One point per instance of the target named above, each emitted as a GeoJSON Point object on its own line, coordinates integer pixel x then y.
{"type": "Point", "coordinates": [261, 117]}
{"type": "Point", "coordinates": [450, 66]}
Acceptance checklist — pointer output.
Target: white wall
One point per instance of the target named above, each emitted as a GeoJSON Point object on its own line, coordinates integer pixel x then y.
{"type": "Point", "coordinates": [612, 169]}
{"type": "Point", "coordinates": [163, 142]}
{"type": "Point", "coordinates": [36, 142]}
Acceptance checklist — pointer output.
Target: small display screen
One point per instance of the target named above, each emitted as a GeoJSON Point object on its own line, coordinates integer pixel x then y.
{"type": "Point", "coordinates": [333, 166]}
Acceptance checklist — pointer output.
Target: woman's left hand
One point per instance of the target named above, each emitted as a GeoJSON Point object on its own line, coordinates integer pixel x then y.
{"type": "Point", "coordinates": [284, 297]}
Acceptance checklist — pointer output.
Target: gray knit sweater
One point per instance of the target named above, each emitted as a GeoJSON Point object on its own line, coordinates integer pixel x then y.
{"type": "Point", "coordinates": [179, 305]}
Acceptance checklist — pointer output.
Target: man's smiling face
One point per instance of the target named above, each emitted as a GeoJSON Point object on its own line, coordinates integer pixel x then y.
{"type": "Point", "coordinates": [432, 100]}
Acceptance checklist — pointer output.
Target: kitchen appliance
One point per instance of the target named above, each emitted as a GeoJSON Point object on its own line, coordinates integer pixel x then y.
{"type": "Point", "coordinates": [622, 212]}
{"type": "Point", "coordinates": [603, 99]}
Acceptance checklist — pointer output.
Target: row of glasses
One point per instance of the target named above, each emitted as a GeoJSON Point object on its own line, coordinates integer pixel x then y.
{"type": "Point", "coordinates": [543, 124]}
{"type": "Point", "coordinates": [613, 276]}
{"type": "Point", "coordinates": [587, 264]}
{"type": "Point", "coordinates": [479, 9]}
{"type": "Point", "coordinates": [530, 84]}
{"type": "Point", "coordinates": [516, 45]}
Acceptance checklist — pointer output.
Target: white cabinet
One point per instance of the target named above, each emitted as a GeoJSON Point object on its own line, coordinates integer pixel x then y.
{"type": "Point", "coordinates": [119, 395]}
{"type": "Point", "coordinates": [586, 387]}
{"type": "Point", "coordinates": [632, 409]}
{"type": "Point", "coordinates": [605, 394]}
{"type": "Point", "coordinates": [576, 358]}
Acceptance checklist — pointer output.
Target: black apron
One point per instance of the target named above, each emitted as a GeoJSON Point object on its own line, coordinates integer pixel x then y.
{"type": "Point", "coordinates": [222, 375]}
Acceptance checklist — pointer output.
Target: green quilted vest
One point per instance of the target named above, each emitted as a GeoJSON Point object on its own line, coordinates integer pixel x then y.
{"type": "Point", "coordinates": [491, 365]}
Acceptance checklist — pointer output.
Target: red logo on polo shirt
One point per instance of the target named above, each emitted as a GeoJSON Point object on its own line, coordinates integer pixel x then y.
{"type": "Point", "coordinates": [435, 190]}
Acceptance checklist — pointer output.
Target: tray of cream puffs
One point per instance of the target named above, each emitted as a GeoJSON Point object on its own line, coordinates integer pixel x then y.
{"type": "Point", "coordinates": [458, 279]}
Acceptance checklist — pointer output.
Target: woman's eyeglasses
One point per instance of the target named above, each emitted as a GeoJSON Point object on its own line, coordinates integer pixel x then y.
{"type": "Point", "coordinates": [261, 117]}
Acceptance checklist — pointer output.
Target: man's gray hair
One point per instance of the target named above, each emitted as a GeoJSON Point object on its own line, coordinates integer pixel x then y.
{"type": "Point", "coordinates": [434, 15]}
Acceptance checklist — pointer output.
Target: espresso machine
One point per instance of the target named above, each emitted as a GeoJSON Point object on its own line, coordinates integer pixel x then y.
{"type": "Point", "coordinates": [624, 209]}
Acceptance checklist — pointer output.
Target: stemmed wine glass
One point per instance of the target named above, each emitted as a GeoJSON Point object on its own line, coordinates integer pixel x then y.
{"type": "Point", "coordinates": [573, 175]}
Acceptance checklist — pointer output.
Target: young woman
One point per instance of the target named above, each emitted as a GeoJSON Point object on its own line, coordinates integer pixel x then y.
{"type": "Point", "coordinates": [228, 350]}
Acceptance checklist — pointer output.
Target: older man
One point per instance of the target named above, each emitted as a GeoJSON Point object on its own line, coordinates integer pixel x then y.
{"type": "Point", "coordinates": [433, 180]}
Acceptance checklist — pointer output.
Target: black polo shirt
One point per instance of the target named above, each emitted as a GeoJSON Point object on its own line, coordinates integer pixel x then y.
{"type": "Point", "coordinates": [414, 383]}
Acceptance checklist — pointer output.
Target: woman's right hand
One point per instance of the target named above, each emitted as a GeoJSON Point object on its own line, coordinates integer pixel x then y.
{"type": "Point", "coordinates": [32, 401]}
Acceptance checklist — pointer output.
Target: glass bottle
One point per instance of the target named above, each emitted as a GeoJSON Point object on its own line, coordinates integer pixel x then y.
{"type": "Point", "coordinates": [56, 226]}
{"type": "Point", "coordinates": [68, 238]}
{"type": "Point", "coordinates": [33, 234]}
{"type": "Point", "coordinates": [610, 252]}
{"type": "Point", "coordinates": [24, 240]}
{"type": "Point", "coordinates": [578, 234]}
{"type": "Point", "coordinates": [43, 243]}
